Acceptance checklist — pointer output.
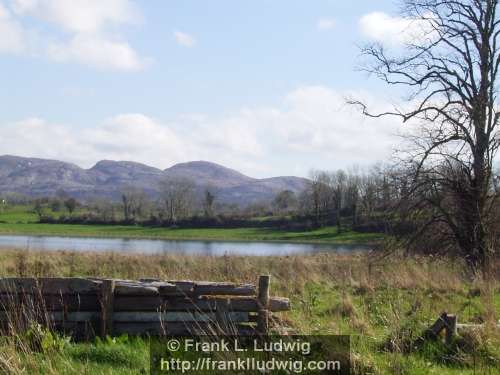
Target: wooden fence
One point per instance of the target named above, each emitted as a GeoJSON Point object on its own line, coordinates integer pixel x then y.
{"type": "Point", "coordinates": [86, 307]}
{"type": "Point", "coordinates": [447, 323]}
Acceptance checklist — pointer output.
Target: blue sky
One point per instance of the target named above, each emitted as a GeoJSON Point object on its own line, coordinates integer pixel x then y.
{"type": "Point", "coordinates": [259, 86]}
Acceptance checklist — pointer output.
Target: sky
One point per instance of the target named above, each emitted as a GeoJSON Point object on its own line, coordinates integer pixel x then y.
{"type": "Point", "coordinates": [259, 86]}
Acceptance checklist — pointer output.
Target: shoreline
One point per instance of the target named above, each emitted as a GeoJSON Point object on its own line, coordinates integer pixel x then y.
{"type": "Point", "coordinates": [373, 240]}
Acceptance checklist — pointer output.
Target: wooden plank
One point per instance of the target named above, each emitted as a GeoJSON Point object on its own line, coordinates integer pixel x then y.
{"type": "Point", "coordinates": [77, 316]}
{"type": "Point", "coordinates": [71, 302]}
{"type": "Point", "coordinates": [51, 302]}
{"type": "Point", "coordinates": [451, 328]}
{"type": "Point", "coordinates": [49, 285]}
{"type": "Point", "coordinates": [224, 289]}
{"type": "Point", "coordinates": [82, 302]}
{"type": "Point", "coordinates": [437, 327]}
{"type": "Point", "coordinates": [179, 316]}
{"type": "Point", "coordinates": [138, 303]}
{"type": "Point", "coordinates": [157, 303]}
{"type": "Point", "coordinates": [158, 329]}
{"type": "Point", "coordinates": [107, 302]}
{"type": "Point", "coordinates": [222, 315]}
{"type": "Point", "coordinates": [171, 303]}
{"type": "Point", "coordinates": [275, 304]}
{"type": "Point", "coordinates": [263, 304]}
{"type": "Point", "coordinates": [166, 288]}
{"type": "Point", "coordinates": [465, 326]}
{"type": "Point", "coordinates": [135, 289]}
{"type": "Point", "coordinates": [139, 316]}
{"type": "Point", "coordinates": [182, 286]}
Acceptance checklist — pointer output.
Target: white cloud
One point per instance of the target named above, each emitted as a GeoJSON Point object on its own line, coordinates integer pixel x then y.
{"type": "Point", "coordinates": [99, 52]}
{"type": "Point", "coordinates": [184, 39]}
{"type": "Point", "coordinates": [88, 32]}
{"type": "Point", "coordinates": [311, 128]}
{"type": "Point", "coordinates": [88, 16]}
{"type": "Point", "coordinates": [381, 27]}
{"type": "Point", "coordinates": [326, 24]}
{"type": "Point", "coordinates": [123, 137]}
{"type": "Point", "coordinates": [12, 36]}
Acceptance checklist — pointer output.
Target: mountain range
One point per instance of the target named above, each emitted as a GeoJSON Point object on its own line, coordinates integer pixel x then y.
{"type": "Point", "coordinates": [107, 179]}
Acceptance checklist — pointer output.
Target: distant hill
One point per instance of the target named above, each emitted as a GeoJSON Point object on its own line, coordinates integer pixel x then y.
{"type": "Point", "coordinates": [106, 179]}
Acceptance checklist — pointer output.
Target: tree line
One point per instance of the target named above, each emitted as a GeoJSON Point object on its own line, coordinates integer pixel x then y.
{"type": "Point", "coordinates": [355, 198]}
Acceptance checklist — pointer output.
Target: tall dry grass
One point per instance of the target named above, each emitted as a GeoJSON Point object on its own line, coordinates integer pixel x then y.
{"type": "Point", "coordinates": [289, 273]}
{"type": "Point", "coordinates": [360, 282]}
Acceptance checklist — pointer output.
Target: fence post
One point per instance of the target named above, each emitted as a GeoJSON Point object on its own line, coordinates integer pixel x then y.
{"type": "Point", "coordinates": [451, 327]}
{"type": "Point", "coordinates": [222, 316]}
{"type": "Point", "coordinates": [107, 302]}
{"type": "Point", "coordinates": [263, 304]}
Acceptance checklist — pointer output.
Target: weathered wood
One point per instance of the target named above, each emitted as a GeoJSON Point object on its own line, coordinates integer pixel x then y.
{"type": "Point", "coordinates": [263, 304]}
{"type": "Point", "coordinates": [222, 316]}
{"type": "Point", "coordinates": [145, 303]}
{"type": "Point", "coordinates": [469, 326]}
{"type": "Point", "coordinates": [451, 327]}
{"type": "Point", "coordinates": [158, 329]}
{"type": "Point", "coordinates": [139, 316]}
{"type": "Point", "coordinates": [75, 303]}
{"type": "Point", "coordinates": [166, 288]}
{"type": "Point", "coordinates": [435, 329]}
{"type": "Point", "coordinates": [275, 304]}
{"type": "Point", "coordinates": [77, 316]}
{"type": "Point", "coordinates": [71, 302]}
{"type": "Point", "coordinates": [224, 289]}
{"type": "Point", "coordinates": [177, 316]}
{"type": "Point", "coordinates": [182, 286]}
{"type": "Point", "coordinates": [138, 303]}
{"type": "Point", "coordinates": [128, 303]}
{"type": "Point", "coordinates": [50, 302]}
{"type": "Point", "coordinates": [49, 285]}
{"type": "Point", "coordinates": [445, 322]}
{"type": "Point", "coordinates": [59, 316]}
{"type": "Point", "coordinates": [135, 289]}
{"type": "Point", "coordinates": [107, 301]}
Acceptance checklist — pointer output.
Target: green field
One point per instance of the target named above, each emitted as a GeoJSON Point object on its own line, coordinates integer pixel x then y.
{"type": "Point", "coordinates": [383, 304]}
{"type": "Point", "coordinates": [330, 294]}
{"type": "Point", "coordinates": [19, 220]}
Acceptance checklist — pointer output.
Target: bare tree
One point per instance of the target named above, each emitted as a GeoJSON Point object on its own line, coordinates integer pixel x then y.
{"type": "Point", "coordinates": [70, 204]}
{"type": "Point", "coordinates": [353, 194]}
{"type": "Point", "coordinates": [338, 187]}
{"type": "Point", "coordinates": [38, 208]}
{"type": "Point", "coordinates": [285, 201]}
{"type": "Point", "coordinates": [208, 202]}
{"type": "Point", "coordinates": [319, 196]}
{"type": "Point", "coordinates": [368, 193]}
{"type": "Point", "coordinates": [105, 209]}
{"type": "Point", "coordinates": [177, 196]}
{"type": "Point", "coordinates": [450, 69]}
{"type": "Point", "coordinates": [134, 202]}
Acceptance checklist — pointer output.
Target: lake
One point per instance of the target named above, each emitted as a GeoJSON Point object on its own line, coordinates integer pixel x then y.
{"type": "Point", "coordinates": [186, 247]}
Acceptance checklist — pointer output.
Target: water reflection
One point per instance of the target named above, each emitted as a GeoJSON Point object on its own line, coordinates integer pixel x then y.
{"type": "Point", "coordinates": [146, 246]}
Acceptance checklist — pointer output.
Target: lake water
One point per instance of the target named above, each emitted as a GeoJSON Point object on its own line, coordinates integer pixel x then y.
{"type": "Point", "coordinates": [146, 246]}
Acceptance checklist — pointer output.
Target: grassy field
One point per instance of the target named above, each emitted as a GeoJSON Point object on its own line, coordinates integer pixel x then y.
{"type": "Point", "coordinates": [377, 302]}
{"type": "Point", "coordinates": [19, 220]}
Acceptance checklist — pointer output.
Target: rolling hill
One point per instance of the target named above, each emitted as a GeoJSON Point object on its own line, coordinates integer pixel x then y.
{"type": "Point", "coordinates": [107, 179]}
